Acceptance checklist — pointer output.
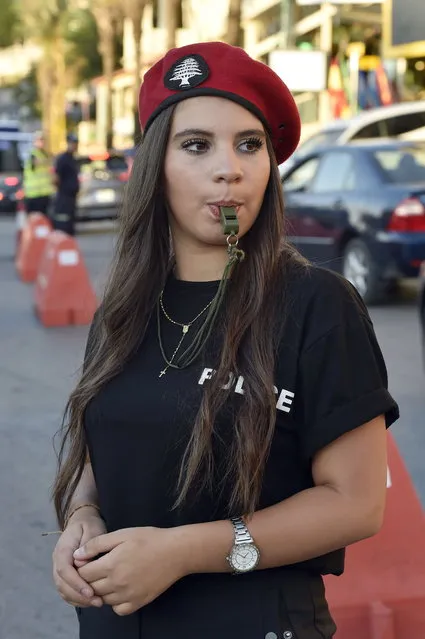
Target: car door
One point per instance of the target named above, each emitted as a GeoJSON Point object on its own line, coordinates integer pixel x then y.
{"type": "Point", "coordinates": [295, 189]}
{"type": "Point", "coordinates": [318, 215]}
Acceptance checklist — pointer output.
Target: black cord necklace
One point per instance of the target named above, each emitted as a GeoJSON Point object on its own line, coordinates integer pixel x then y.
{"type": "Point", "coordinates": [230, 226]}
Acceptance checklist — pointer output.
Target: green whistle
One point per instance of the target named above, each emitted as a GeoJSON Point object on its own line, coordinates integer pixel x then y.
{"type": "Point", "coordinates": [229, 220]}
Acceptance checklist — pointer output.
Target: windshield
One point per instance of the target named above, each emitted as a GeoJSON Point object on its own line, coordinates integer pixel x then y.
{"type": "Point", "coordinates": [323, 138]}
{"type": "Point", "coordinates": [9, 157]}
{"type": "Point", "coordinates": [402, 166]}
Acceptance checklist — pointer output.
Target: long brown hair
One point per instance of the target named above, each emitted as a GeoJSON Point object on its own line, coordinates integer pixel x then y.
{"type": "Point", "coordinates": [140, 266]}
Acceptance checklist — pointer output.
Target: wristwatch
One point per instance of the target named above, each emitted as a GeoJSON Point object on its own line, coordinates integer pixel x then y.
{"type": "Point", "coordinates": [244, 555]}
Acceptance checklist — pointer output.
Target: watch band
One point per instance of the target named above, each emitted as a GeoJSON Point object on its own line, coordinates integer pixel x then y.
{"type": "Point", "coordinates": [242, 534]}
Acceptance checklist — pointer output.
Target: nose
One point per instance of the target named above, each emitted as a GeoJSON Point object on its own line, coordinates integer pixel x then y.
{"type": "Point", "coordinates": [228, 167]}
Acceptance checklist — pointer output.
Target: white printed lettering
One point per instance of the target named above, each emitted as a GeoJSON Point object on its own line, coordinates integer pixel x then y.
{"type": "Point", "coordinates": [207, 373]}
{"type": "Point", "coordinates": [284, 402]}
{"type": "Point", "coordinates": [239, 385]}
{"type": "Point", "coordinates": [230, 382]}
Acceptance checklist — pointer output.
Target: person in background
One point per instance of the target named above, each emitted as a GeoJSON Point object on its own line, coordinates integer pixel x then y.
{"type": "Point", "coordinates": [67, 187]}
{"type": "Point", "coordinates": [38, 178]}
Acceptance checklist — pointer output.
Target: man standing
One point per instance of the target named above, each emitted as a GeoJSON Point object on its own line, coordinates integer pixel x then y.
{"type": "Point", "coordinates": [68, 186]}
{"type": "Point", "coordinates": [38, 178]}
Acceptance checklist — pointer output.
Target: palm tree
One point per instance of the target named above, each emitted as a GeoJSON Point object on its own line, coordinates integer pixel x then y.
{"type": "Point", "coordinates": [234, 28]}
{"type": "Point", "coordinates": [43, 22]}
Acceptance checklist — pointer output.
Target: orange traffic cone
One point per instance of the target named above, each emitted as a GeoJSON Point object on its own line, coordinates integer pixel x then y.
{"type": "Point", "coordinates": [63, 292]}
{"type": "Point", "coordinates": [31, 246]}
{"type": "Point", "coordinates": [382, 592]}
{"type": "Point", "coordinates": [21, 220]}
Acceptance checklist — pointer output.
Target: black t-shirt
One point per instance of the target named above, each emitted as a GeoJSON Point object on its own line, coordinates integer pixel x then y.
{"type": "Point", "coordinates": [67, 171]}
{"type": "Point", "coordinates": [330, 378]}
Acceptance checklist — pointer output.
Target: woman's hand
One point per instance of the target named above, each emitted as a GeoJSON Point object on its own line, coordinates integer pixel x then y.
{"type": "Point", "coordinates": [140, 564]}
{"type": "Point", "coordinates": [83, 526]}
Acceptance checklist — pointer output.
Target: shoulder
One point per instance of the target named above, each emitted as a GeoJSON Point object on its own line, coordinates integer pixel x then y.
{"type": "Point", "coordinates": [319, 300]}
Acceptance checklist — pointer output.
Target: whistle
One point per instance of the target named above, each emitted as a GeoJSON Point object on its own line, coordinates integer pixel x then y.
{"type": "Point", "coordinates": [229, 220]}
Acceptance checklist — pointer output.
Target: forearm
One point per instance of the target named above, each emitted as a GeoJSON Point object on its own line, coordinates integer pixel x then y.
{"type": "Point", "coordinates": [86, 491]}
{"type": "Point", "coordinates": [312, 523]}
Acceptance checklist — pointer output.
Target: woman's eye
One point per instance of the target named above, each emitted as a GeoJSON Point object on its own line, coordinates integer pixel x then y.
{"type": "Point", "coordinates": [195, 146]}
{"type": "Point", "coordinates": [251, 145]}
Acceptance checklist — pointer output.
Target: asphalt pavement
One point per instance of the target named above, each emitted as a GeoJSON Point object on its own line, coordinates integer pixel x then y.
{"type": "Point", "coordinates": [38, 368]}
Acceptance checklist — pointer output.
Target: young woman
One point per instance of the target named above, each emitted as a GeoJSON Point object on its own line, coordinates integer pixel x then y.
{"type": "Point", "coordinates": [231, 416]}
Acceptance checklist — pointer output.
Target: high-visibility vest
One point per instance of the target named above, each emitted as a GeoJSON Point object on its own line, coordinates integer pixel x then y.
{"type": "Point", "coordinates": [38, 182]}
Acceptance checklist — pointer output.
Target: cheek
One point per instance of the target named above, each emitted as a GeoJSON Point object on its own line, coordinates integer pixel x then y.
{"type": "Point", "coordinates": [259, 180]}
{"type": "Point", "coordinates": [180, 181]}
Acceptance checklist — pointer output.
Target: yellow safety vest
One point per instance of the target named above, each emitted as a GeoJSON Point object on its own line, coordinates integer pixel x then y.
{"type": "Point", "coordinates": [38, 182]}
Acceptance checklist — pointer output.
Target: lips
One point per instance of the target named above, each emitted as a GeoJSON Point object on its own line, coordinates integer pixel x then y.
{"type": "Point", "coordinates": [215, 206]}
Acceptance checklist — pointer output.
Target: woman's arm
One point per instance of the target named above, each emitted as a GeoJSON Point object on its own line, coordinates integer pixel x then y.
{"type": "Point", "coordinates": [85, 493]}
{"type": "Point", "coordinates": [345, 505]}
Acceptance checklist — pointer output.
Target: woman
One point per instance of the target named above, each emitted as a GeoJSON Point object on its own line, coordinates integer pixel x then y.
{"type": "Point", "coordinates": [232, 410]}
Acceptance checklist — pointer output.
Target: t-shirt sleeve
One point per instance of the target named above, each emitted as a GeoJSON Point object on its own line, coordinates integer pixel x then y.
{"type": "Point", "coordinates": [343, 379]}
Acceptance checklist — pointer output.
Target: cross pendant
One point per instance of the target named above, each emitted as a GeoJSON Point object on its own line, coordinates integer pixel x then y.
{"type": "Point", "coordinates": [163, 372]}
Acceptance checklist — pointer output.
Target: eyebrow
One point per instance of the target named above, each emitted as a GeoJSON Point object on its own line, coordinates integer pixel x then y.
{"type": "Point", "coordinates": [209, 134]}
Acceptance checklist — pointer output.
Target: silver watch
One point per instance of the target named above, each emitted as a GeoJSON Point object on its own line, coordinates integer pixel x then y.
{"type": "Point", "coordinates": [244, 555]}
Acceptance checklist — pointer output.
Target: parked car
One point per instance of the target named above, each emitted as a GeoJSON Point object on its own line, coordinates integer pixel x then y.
{"type": "Point", "coordinates": [11, 191]}
{"type": "Point", "coordinates": [360, 209]}
{"type": "Point", "coordinates": [405, 120]}
{"type": "Point", "coordinates": [102, 183]}
{"type": "Point", "coordinates": [422, 307]}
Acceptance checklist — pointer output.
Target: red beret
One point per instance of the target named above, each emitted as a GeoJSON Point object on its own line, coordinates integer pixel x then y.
{"type": "Point", "coordinates": [218, 69]}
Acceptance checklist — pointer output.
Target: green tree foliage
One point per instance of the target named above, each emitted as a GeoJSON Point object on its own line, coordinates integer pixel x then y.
{"type": "Point", "coordinates": [10, 23]}
{"type": "Point", "coordinates": [83, 54]}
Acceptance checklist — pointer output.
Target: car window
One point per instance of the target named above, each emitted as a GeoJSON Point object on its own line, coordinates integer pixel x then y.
{"type": "Point", "coordinates": [392, 127]}
{"type": "Point", "coordinates": [302, 176]}
{"type": "Point", "coordinates": [336, 172]}
{"type": "Point", "coordinates": [323, 138]}
{"type": "Point", "coordinates": [373, 130]}
{"type": "Point", "coordinates": [10, 161]}
{"type": "Point", "coordinates": [401, 166]}
{"type": "Point", "coordinates": [401, 124]}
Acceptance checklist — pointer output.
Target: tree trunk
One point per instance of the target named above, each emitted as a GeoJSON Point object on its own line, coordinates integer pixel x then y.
{"type": "Point", "coordinates": [234, 28]}
{"type": "Point", "coordinates": [106, 28]}
{"type": "Point", "coordinates": [58, 99]}
{"type": "Point", "coordinates": [51, 86]}
{"type": "Point", "coordinates": [137, 34]}
{"type": "Point", "coordinates": [44, 84]}
{"type": "Point", "coordinates": [170, 20]}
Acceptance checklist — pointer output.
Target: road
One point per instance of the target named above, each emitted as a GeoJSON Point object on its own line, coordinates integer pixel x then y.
{"type": "Point", "coordinates": [38, 367]}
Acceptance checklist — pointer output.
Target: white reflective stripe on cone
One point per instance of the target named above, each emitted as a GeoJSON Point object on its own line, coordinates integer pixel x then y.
{"type": "Point", "coordinates": [68, 258]}
{"type": "Point", "coordinates": [41, 231]}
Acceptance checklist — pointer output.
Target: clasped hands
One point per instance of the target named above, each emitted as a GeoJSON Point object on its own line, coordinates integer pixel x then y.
{"type": "Point", "coordinates": [139, 564]}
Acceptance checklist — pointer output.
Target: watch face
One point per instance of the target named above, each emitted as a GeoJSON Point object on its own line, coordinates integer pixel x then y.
{"type": "Point", "coordinates": [244, 557]}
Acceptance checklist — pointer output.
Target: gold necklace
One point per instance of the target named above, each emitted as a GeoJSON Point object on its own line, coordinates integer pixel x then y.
{"type": "Point", "coordinates": [185, 329]}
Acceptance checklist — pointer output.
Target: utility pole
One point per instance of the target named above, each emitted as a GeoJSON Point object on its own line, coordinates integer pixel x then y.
{"type": "Point", "coordinates": [287, 24]}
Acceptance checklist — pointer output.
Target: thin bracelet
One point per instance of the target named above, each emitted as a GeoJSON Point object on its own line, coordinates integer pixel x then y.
{"type": "Point", "coordinates": [78, 508]}
{"type": "Point", "coordinates": [59, 532]}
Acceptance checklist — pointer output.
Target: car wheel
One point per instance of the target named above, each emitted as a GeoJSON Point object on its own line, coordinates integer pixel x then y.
{"type": "Point", "coordinates": [361, 270]}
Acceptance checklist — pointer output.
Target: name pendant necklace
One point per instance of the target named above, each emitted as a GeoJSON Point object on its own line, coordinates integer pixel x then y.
{"type": "Point", "coordinates": [185, 329]}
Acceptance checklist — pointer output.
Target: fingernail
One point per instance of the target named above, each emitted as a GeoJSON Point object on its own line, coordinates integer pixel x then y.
{"type": "Point", "coordinates": [97, 602]}
{"type": "Point", "coordinates": [87, 592]}
{"type": "Point", "coordinates": [79, 553]}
